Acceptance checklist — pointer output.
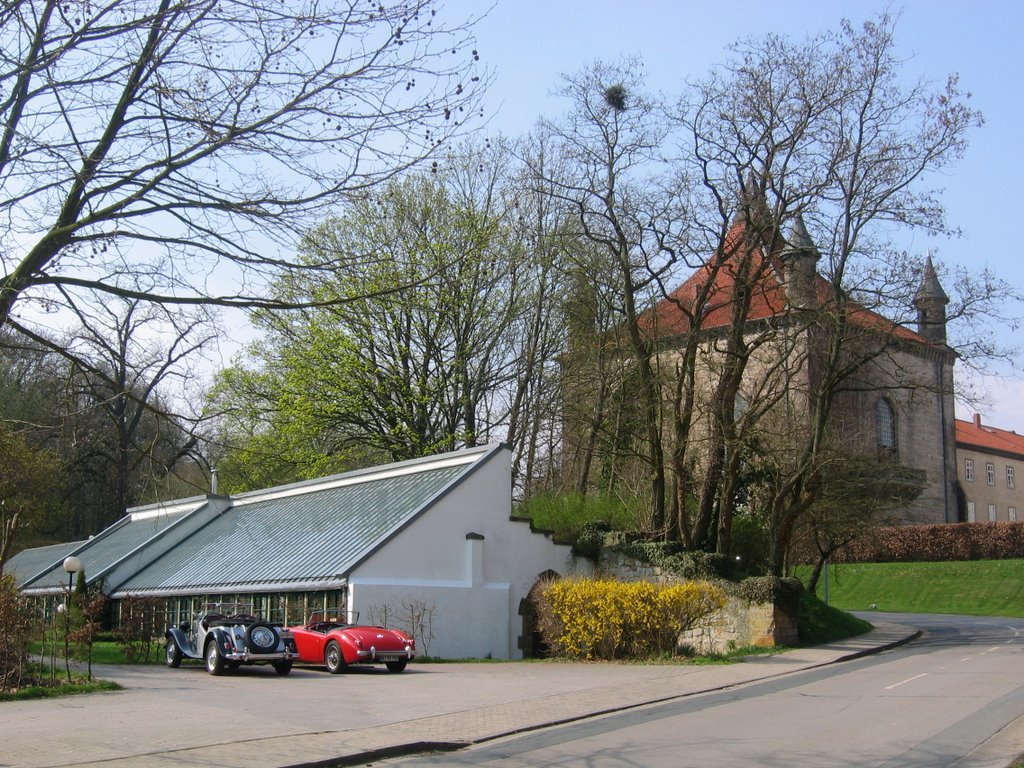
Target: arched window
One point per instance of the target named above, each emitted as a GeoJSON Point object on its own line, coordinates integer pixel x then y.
{"type": "Point", "coordinates": [885, 419]}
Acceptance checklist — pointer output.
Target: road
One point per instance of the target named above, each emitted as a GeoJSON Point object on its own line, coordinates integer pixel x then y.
{"type": "Point", "coordinates": [930, 703]}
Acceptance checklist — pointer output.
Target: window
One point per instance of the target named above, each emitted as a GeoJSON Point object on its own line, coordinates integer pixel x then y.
{"type": "Point", "coordinates": [886, 421]}
{"type": "Point", "coordinates": [969, 470]}
{"type": "Point", "coordinates": [1009, 477]}
{"type": "Point", "coordinates": [992, 513]}
{"type": "Point", "coordinates": [990, 473]}
{"type": "Point", "coordinates": [970, 511]}
{"type": "Point", "coordinates": [1012, 512]}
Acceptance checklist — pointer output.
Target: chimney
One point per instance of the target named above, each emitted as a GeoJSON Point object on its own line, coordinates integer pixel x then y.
{"type": "Point", "coordinates": [213, 482]}
{"type": "Point", "coordinates": [977, 420]}
{"type": "Point", "coordinates": [475, 559]}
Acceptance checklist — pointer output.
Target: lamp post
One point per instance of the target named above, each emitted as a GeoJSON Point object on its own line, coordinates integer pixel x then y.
{"type": "Point", "coordinates": [72, 565]}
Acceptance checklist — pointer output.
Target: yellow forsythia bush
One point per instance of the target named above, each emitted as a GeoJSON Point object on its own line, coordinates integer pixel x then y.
{"type": "Point", "coordinates": [594, 618]}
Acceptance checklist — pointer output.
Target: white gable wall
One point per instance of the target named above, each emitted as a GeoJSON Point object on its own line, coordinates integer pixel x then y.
{"type": "Point", "coordinates": [473, 585]}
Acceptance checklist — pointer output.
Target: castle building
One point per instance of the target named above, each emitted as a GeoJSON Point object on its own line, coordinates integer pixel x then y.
{"type": "Point", "coordinates": [761, 301]}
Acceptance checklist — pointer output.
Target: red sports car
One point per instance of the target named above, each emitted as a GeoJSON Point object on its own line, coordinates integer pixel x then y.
{"type": "Point", "coordinates": [327, 638]}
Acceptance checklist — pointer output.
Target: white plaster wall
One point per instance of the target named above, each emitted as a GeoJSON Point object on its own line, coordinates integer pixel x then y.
{"type": "Point", "coordinates": [476, 611]}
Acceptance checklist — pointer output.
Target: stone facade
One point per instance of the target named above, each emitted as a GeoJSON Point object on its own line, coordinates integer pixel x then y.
{"type": "Point", "coordinates": [884, 367]}
{"type": "Point", "coordinates": [743, 624]}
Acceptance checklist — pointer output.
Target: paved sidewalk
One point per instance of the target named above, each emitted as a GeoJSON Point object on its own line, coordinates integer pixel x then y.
{"type": "Point", "coordinates": [183, 717]}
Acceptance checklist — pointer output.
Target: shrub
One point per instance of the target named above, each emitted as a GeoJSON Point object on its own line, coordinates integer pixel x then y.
{"type": "Point", "coordinates": [16, 627]}
{"type": "Point", "coordinates": [770, 589]}
{"type": "Point", "coordinates": [937, 543]}
{"type": "Point", "coordinates": [138, 631]}
{"type": "Point", "coordinates": [671, 557]}
{"type": "Point", "coordinates": [606, 619]}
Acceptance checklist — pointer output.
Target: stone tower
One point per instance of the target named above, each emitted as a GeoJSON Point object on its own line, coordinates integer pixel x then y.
{"type": "Point", "coordinates": [799, 259]}
{"type": "Point", "coordinates": [931, 302]}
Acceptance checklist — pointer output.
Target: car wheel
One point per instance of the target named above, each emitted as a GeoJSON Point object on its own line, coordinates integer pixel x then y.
{"type": "Point", "coordinates": [333, 658]}
{"type": "Point", "coordinates": [396, 666]}
{"type": "Point", "coordinates": [283, 667]}
{"type": "Point", "coordinates": [214, 661]}
{"type": "Point", "coordinates": [173, 653]}
{"type": "Point", "coordinates": [261, 638]}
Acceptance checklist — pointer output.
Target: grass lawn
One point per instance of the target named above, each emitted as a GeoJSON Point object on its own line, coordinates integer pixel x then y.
{"type": "Point", "coordinates": [102, 653]}
{"type": "Point", "coordinates": [978, 588]}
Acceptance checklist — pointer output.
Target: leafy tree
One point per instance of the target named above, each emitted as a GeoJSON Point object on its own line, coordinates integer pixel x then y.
{"type": "Point", "coordinates": [405, 350]}
{"type": "Point", "coordinates": [29, 490]}
{"type": "Point", "coordinates": [857, 495]}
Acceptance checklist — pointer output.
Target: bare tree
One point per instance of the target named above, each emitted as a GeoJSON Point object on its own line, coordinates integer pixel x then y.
{"type": "Point", "coordinates": [128, 361]}
{"type": "Point", "coordinates": [793, 165]}
{"type": "Point", "coordinates": [610, 141]}
{"type": "Point", "coordinates": [834, 137]}
{"type": "Point", "coordinates": [169, 150]}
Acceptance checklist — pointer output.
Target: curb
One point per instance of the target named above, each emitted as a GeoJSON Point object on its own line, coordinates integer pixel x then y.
{"type": "Point", "coordinates": [417, 747]}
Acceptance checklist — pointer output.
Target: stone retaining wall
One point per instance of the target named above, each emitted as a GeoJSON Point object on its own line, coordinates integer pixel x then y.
{"type": "Point", "coordinates": [739, 624]}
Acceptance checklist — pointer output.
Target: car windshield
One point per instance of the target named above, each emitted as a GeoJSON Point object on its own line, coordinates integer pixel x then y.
{"type": "Point", "coordinates": [228, 609]}
{"type": "Point", "coordinates": [343, 618]}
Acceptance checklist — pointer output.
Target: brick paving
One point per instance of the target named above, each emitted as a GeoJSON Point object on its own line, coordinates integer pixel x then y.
{"type": "Point", "coordinates": [184, 717]}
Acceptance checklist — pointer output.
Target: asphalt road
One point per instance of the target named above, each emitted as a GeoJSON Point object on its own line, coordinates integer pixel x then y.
{"type": "Point", "coordinates": [935, 702]}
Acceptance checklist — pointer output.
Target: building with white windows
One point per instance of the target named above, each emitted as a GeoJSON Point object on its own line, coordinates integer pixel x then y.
{"type": "Point", "coordinates": [428, 545]}
{"type": "Point", "coordinates": [989, 464]}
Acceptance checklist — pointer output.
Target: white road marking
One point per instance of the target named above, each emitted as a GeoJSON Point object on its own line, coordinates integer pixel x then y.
{"type": "Point", "coordinates": [909, 679]}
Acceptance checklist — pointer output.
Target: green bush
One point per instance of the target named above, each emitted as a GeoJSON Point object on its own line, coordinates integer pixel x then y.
{"type": "Point", "coordinates": [568, 515]}
{"type": "Point", "coordinates": [820, 623]}
{"type": "Point", "coordinates": [769, 589]}
{"type": "Point", "coordinates": [607, 619]}
{"type": "Point", "coordinates": [16, 628]}
{"type": "Point", "coordinates": [672, 558]}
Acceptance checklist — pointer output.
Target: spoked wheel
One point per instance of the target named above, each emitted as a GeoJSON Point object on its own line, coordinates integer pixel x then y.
{"type": "Point", "coordinates": [214, 661]}
{"type": "Point", "coordinates": [173, 653]}
{"type": "Point", "coordinates": [261, 638]}
{"type": "Point", "coordinates": [333, 659]}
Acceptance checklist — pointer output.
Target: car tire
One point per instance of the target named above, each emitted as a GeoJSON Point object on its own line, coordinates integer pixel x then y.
{"type": "Point", "coordinates": [261, 638]}
{"type": "Point", "coordinates": [214, 661]}
{"type": "Point", "coordinates": [396, 666]}
{"type": "Point", "coordinates": [282, 667]}
{"type": "Point", "coordinates": [173, 653]}
{"type": "Point", "coordinates": [334, 658]}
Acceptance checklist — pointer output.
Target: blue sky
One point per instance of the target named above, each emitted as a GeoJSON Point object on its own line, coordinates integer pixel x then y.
{"type": "Point", "coordinates": [529, 43]}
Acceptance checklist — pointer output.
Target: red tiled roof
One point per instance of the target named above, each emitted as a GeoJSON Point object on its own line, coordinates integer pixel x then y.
{"type": "Point", "coordinates": [768, 298]}
{"type": "Point", "coordinates": [978, 435]}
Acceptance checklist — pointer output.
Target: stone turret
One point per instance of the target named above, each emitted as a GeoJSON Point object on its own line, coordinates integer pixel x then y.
{"type": "Point", "coordinates": [752, 203]}
{"type": "Point", "coordinates": [931, 302]}
{"type": "Point", "coordinates": [799, 258]}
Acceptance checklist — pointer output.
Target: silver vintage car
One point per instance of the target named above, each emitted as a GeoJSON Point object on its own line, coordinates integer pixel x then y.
{"type": "Point", "coordinates": [227, 635]}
